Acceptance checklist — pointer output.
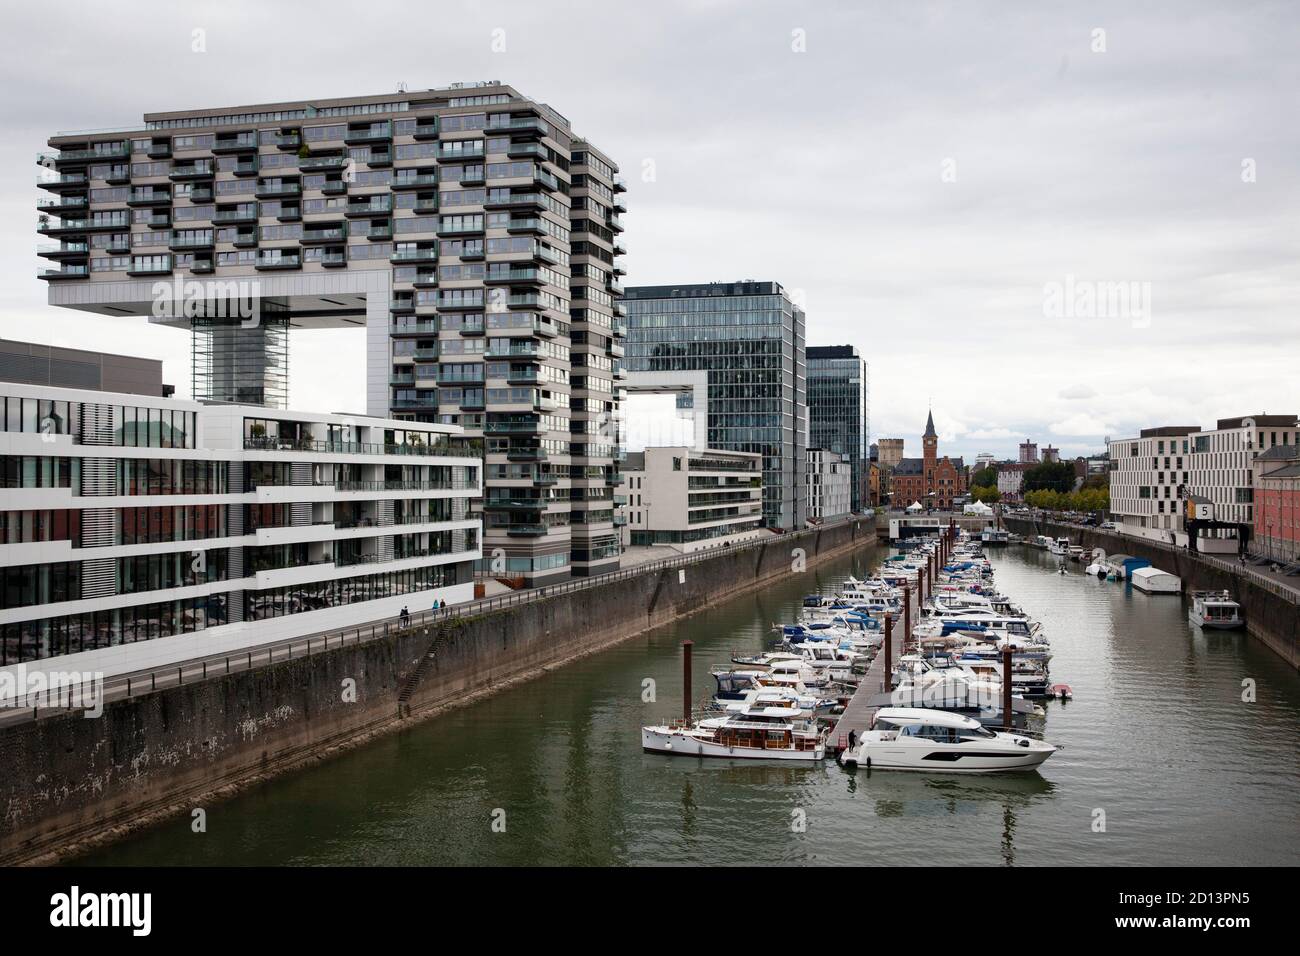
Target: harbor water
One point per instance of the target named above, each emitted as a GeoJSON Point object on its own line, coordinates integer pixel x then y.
{"type": "Point", "coordinates": [1164, 762]}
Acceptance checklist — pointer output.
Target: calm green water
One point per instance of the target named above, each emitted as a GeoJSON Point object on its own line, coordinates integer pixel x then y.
{"type": "Point", "coordinates": [1157, 737]}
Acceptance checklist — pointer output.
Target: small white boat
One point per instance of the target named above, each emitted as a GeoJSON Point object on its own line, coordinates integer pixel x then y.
{"type": "Point", "coordinates": [906, 738]}
{"type": "Point", "coordinates": [1215, 610]}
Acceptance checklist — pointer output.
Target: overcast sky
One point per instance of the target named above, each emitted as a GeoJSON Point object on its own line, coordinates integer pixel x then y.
{"type": "Point", "coordinates": [921, 174]}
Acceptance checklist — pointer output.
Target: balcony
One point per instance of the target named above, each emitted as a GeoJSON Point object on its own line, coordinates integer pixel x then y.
{"type": "Point", "coordinates": [246, 167]}
{"type": "Point", "coordinates": [63, 205]}
{"type": "Point", "coordinates": [318, 234]}
{"type": "Point", "coordinates": [118, 175]}
{"type": "Point", "coordinates": [401, 378]}
{"type": "Point", "coordinates": [620, 184]}
{"type": "Point", "coordinates": [334, 187]}
{"type": "Point", "coordinates": [475, 227]}
{"type": "Point", "coordinates": [421, 404]}
{"type": "Point", "coordinates": [286, 139]}
{"type": "Point", "coordinates": [506, 504]}
{"type": "Point", "coordinates": [525, 150]}
{"type": "Point", "coordinates": [160, 149]}
{"type": "Point", "coordinates": [523, 530]}
{"type": "Point", "coordinates": [66, 272]}
{"type": "Point", "coordinates": [245, 239]}
{"type": "Point", "coordinates": [64, 250]}
{"type": "Point", "coordinates": [620, 203]}
{"type": "Point", "coordinates": [316, 163]}
{"type": "Point", "coordinates": [100, 151]}
{"type": "Point", "coordinates": [200, 266]}
{"type": "Point", "coordinates": [460, 149]}
{"type": "Point", "coordinates": [61, 227]}
{"type": "Point", "coordinates": [273, 190]}
{"type": "Point", "coordinates": [472, 176]}
{"type": "Point", "coordinates": [159, 219]}
{"type": "Point", "coordinates": [68, 182]}
{"type": "Point", "coordinates": [235, 143]}
{"type": "Point", "coordinates": [525, 225]}
{"type": "Point", "coordinates": [370, 133]}
{"type": "Point", "coordinates": [504, 199]}
{"type": "Point", "coordinates": [149, 265]}
{"type": "Point", "coordinates": [381, 205]}
{"type": "Point", "coordinates": [512, 428]}
{"type": "Point", "coordinates": [523, 350]}
{"type": "Point", "coordinates": [422, 254]}
{"type": "Point", "coordinates": [426, 128]}
{"type": "Point", "coordinates": [333, 259]}
{"type": "Point", "coordinates": [289, 212]}
{"type": "Point", "coordinates": [425, 355]}
{"type": "Point", "coordinates": [522, 376]}
{"type": "Point", "coordinates": [191, 243]}
{"type": "Point", "coordinates": [199, 169]}
{"type": "Point", "coordinates": [543, 178]}
{"type": "Point", "coordinates": [524, 275]}
{"type": "Point", "coordinates": [277, 259]}
{"type": "Point", "coordinates": [614, 348]}
{"type": "Point", "coordinates": [415, 181]}
{"type": "Point", "coordinates": [425, 205]}
{"type": "Point", "coordinates": [378, 159]}
{"type": "Point", "coordinates": [526, 125]}
{"type": "Point", "coordinates": [525, 453]}
{"type": "Point", "coordinates": [413, 328]}
{"type": "Point", "coordinates": [381, 232]}
{"type": "Point", "coordinates": [147, 196]}
{"type": "Point", "coordinates": [200, 194]}
{"type": "Point", "coordinates": [225, 216]}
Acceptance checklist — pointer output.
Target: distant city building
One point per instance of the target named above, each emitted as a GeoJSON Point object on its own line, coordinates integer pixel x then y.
{"type": "Point", "coordinates": [1051, 455]}
{"type": "Point", "coordinates": [139, 531]}
{"type": "Point", "coordinates": [33, 364]}
{"type": "Point", "coordinates": [1277, 502]}
{"type": "Point", "coordinates": [830, 485]}
{"type": "Point", "coordinates": [746, 339]}
{"type": "Point", "coordinates": [891, 452]}
{"type": "Point", "coordinates": [983, 460]}
{"type": "Point", "coordinates": [934, 482]}
{"type": "Point", "coordinates": [1028, 452]}
{"type": "Point", "coordinates": [838, 410]}
{"type": "Point", "coordinates": [1148, 481]}
{"type": "Point", "coordinates": [873, 485]}
{"type": "Point", "coordinates": [1011, 479]}
{"type": "Point", "coordinates": [689, 499]}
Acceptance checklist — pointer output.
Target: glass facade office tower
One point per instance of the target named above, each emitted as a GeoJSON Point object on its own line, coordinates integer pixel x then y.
{"type": "Point", "coordinates": [467, 229]}
{"type": "Point", "coordinates": [838, 410]}
{"type": "Point", "coordinates": [748, 338]}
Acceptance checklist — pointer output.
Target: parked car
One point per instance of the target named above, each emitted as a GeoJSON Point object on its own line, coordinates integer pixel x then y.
{"type": "Point", "coordinates": [1108, 525]}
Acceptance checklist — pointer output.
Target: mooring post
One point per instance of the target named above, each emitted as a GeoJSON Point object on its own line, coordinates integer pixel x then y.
{"type": "Point", "coordinates": [686, 680]}
{"type": "Point", "coordinates": [1006, 687]}
{"type": "Point", "coordinates": [889, 653]}
{"type": "Point", "coordinates": [907, 614]}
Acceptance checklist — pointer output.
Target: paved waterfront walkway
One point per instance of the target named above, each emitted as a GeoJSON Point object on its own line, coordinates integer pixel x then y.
{"type": "Point", "coordinates": [858, 714]}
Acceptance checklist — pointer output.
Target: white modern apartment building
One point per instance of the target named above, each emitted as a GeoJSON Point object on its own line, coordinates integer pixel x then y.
{"type": "Point", "coordinates": [691, 499]}
{"type": "Point", "coordinates": [1221, 467]}
{"type": "Point", "coordinates": [140, 531]}
{"type": "Point", "coordinates": [830, 485]}
{"type": "Point", "coordinates": [1148, 480]}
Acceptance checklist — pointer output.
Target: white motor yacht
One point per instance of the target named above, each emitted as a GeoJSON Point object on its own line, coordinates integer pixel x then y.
{"type": "Point", "coordinates": [766, 729]}
{"type": "Point", "coordinates": [907, 738]}
{"type": "Point", "coordinates": [1215, 610]}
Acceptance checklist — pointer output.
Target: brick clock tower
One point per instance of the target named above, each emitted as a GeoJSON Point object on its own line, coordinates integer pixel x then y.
{"type": "Point", "coordinates": [930, 442]}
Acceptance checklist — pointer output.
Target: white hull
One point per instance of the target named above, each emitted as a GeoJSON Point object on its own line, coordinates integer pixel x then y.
{"type": "Point", "coordinates": [1215, 625]}
{"type": "Point", "coordinates": [940, 758]}
{"type": "Point", "coordinates": [685, 743]}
